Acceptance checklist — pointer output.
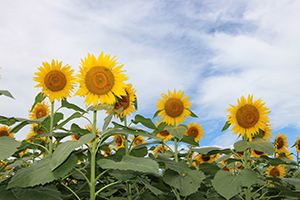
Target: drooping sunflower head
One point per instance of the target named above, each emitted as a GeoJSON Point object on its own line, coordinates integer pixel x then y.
{"type": "Point", "coordinates": [119, 141]}
{"type": "Point", "coordinates": [56, 81]}
{"type": "Point", "coordinates": [160, 149]}
{"type": "Point", "coordinates": [281, 143]}
{"type": "Point", "coordinates": [174, 108]}
{"type": "Point", "coordinates": [298, 145]}
{"type": "Point", "coordinates": [138, 140]}
{"type": "Point", "coordinates": [248, 117]}
{"type": "Point", "coordinates": [107, 153]}
{"type": "Point", "coordinates": [101, 80]}
{"type": "Point", "coordinates": [258, 154]}
{"type": "Point", "coordinates": [127, 102]}
{"type": "Point", "coordinates": [195, 131]}
{"type": "Point", "coordinates": [275, 171]}
{"type": "Point", "coordinates": [40, 110]}
{"type": "Point", "coordinates": [4, 131]}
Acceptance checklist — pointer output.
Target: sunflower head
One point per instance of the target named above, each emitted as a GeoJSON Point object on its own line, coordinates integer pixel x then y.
{"type": "Point", "coordinates": [35, 130]}
{"type": "Point", "coordinates": [248, 117]}
{"type": "Point", "coordinates": [107, 153]}
{"type": "Point", "coordinates": [4, 131]}
{"type": "Point", "coordinates": [119, 141]}
{"type": "Point", "coordinates": [201, 158]}
{"type": "Point", "coordinates": [138, 140]}
{"type": "Point", "coordinates": [275, 171]}
{"type": "Point", "coordinates": [281, 143]}
{"type": "Point", "coordinates": [258, 154]}
{"type": "Point", "coordinates": [101, 80]}
{"type": "Point", "coordinates": [56, 81]}
{"type": "Point", "coordinates": [195, 131]}
{"type": "Point", "coordinates": [164, 134]}
{"type": "Point", "coordinates": [174, 108]}
{"type": "Point", "coordinates": [127, 102]}
{"type": "Point", "coordinates": [160, 149]}
{"type": "Point", "coordinates": [75, 137]}
{"type": "Point", "coordinates": [298, 145]}
{"type": "Point", "coordinates": [40, 110]}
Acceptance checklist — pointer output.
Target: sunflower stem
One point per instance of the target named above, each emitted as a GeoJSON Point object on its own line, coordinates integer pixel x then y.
{"type": "Point", "coordinates": [176, 149]}
{"type": "Point", "coordinates": [93, 159]}
{"type": "Point", "coordinates": [51, 128]}
{"type": "Point", "coordinates": [126, 138]}
{"type": "Point", "coordinates": [247, 166]}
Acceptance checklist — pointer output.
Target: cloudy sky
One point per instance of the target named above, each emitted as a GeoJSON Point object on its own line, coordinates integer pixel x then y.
{"type": "Point", "coordinates": [214, 51]}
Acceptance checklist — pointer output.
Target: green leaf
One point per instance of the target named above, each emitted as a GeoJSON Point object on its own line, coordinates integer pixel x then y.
{"type": "Point", "coordinates": [38, 99]}
{"type": "Point", "coordinates": [205, 150]}
{"type": "Point", "coordinates": [260, 144]}
{"type": "Point", "coordinates": [189, 140]}
{"type": "Point", "coordinates": [139, 152]}
{"type": "Point", "coordinates": [48, 192]}
{"type": "Point", "coordinates": [186, 183]}
{"type": "Point", "coordinates": [209, 168]}
{"type": "Point", "coordinates": [6, 93]}
{"type": "Point", "coordinates": [192, 114]}
{"type": "Point", "coordinates": [248, 177]}
{"type": "Point", "coordinates": [122, 175]}
{"type": "Point", "coordinates": [107, 120]}
{"type": "Point", "coordinates": [40, 172]}
{"type": "Point", "coordinates": [145, 165]}
{"type": "Point", "coordinates": [177, 131]}
{"type": "Point", "coordinates": [226, 126]}
{"type": "Point", "coordinates": [150, 187]}
{"type": "Point", "coordinates": [76, 129]}
{"type": "Point", "coordinates": [7, 121]}
{"type": "Point", "coordinates": [68, 105]}
{"type": "Point", "coordinates": [100, 107]}
{"type": "Point", "coordinates": [293, 181]}
{"type": "Point", "coordinates": [74, 116]}
{"type": "Point", "coordinates": [63, 150]}
{"type": "Point", "coordinates": [8, 146]}
{"type": "Point", "coordinates": [156, 113]}
{"type": "Point", "coordinates": [179, 167]}
{"type": "Point", "coordinates": [226, 184]}
{"type": "Point", "coordinates": [241, 145]}
{"type": "Point", "coordinates": [145, 121]}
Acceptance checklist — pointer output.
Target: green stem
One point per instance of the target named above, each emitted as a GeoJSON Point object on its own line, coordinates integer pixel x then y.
{"type": "Point", "coordinates": [70, 190]}
{"type": "Point", "coordinates": [126, 138]}
{"type": "Point", "coordinates": [93, 159]}
{"type": "Point", "coordinates": [51, 128]}
{"type": "Point", "coordinates": [176, 149]}
{"type": "Point", "coordinates": [106, 187]}
{"type": "Point", "coordinates": [247, 166]}
{"type": "Point", "coordinates": [128, 190]}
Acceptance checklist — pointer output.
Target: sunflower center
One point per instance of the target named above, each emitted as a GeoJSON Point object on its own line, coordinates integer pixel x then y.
{"type": "Point", "coordinates": [259, 152]}
{"type": "Point", "coordinates": [164, 133]}
{"type": "Point", "coordinates": [280, 143]}
{"type": "Point", "coordinates": [247, 116]}
{"type": "Point", "coordinates": [193, 131]}
{"type": "Point", "coordinates": [40, 130]}
{"type": "Point", "coordinates": [77, 137]}
{"type": "Point", "coordinates": [55, 80]}
{"type": "Point", "coordinates": [137, 141]}
{"type": "Point", "coordinates": [205, 158]}
{"type": "Point", "coordinates": [3, 133]}
{"type": "Point", "coordinates": [274, 172]}
{"type": "Point", "coordinates": [119, 140]}
{"type": "Point", "coordinates": [174, 107]}
{"type": "Point", "coordinates": [298, 145]}
{"type": "Point", "coordinates": [41, 112]}
{"type": "Point", "coordinates": [122, 102]}
{"type": "Point", "coordinates": [99, 80]}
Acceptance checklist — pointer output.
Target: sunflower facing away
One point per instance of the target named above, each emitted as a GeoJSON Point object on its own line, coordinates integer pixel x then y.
{"type": "Point", "coordinates": [248, 117]}
{"type": "Point", "coordinates": [174, 108]}
{"type": "Point", "coordinates": [119, 141]}
{"type": "Point", "coordinates": [4, 131]}
{"type": "Point", "coordinates": [40, 110]}
{"type": "Point", "coordinates": [101, 80]}
{"type": "Point", "coordinates": [55, 80]}
{"type": "Point", "coordinates": [127, 102]}
{"type": "Point", "coordinates": [195, 131]}
{"type": "Point", "coordinates": [281, 144]}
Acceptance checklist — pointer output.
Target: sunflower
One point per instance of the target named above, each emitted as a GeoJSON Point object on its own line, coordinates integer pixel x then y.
{"type": "Point", "coordinates": [275, 171]}
{"type": "Point", "coordinates": [75, 137]}
{"type": "Point", "coordinates": [40, 110]}
{"type": "Point", "coordinates": [126, 102]}
{"type": "Point", "coordinates": [266, 133]}
{"type": "Point", "coordinates": [105, 153]}
{"type": "Point", "coordinates": [195, 131]}
{"type": "Point", "coordinates": [4, 131]}
{"type": "Point", "coordinates": [119, 142]}
{"type": "Point", "coordinates": [239, 154]}
{"type": "Point", "coordinates": [201, 158]}
{"type": "Point", "coordinates": [285, 154]}
{"type": "Point", "coordinates": [258, 154]}
{"type": "Point", "coordinates": [160, 149]}
{"type": "Point", "coordinates": [100, 80]}
{"type": "Point", "coordinates": [248, 117]}
{"type": "Point", "coordinates": [298, 145]}
{"type": "Point", "coordinates": [174, 108]}
{"type": "Point", "coordinates": [225, 167]}
{"type": "Point", "coordinates": [165, 135]}
{"type": "Point", "coordinates": [138, 140]}
{"type": "Point", "coordinates": [35, 130]}
{"type": "Point", "coordinates": [55, 80]}
{"type": "Point", "coordinates": [281, 144]}
{"type": "Point", "coordinates": [23, 152]}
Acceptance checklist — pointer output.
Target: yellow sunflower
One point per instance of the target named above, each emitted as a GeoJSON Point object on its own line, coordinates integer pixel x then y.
{"type": "Point", "coordinates": [55, 80]}
{"type": "Point", "coordinates": [35, 130]}
{"type": "Point", "coordinates": [160, 149]}
{"type": "Point", "coordinates": [100, 80]}
{"type": "Point", "coordinates": [258, 154]}
{"type": "Point", "coordinates": [195, 131]}
{"type": "Point", "coordinates": [285, 154]}
{"type": "Point", "coordinates": [266, 133]}
{"type": "Point", "coordinates": [248, 117]}
{"type": "Point", "coordinates": [240, 154]}
{"type": "Point", "coordinates": [126, 101]}
{"type": "Point", "coordinates": [174, 108]}
{"type": "Point", "coordinates": [40, 110]}
{"type": "Point", "coordinates": [119, 143]}
{"type": "Point", "coordinates": [75, 137]}
{"type": "Point", "coordinates": [275, 171]}
{"type": "Point", "coordinates": [201, 158]}
{"type": "Point", "coordinates": [298, 145]}
{"type": "Point", "coordinates": [281, 144]}
{"type": "Point", "coordinates": [105, 153]}
{"type": "Point", "coordinates": [165, 135]}
{"type": "Point", "coordinates": [138, 140]}
{"type": "Point", "coordinates": [4, 131]}
{"type": "Point", "coordinates": [225, 167]}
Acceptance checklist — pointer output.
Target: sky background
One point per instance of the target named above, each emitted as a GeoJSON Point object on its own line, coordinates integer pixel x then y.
{"type": "Point", "coordinates": [214, 51]}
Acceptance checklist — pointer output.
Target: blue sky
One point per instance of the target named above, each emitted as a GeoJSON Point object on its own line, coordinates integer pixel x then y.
{"type": "Point", "coordinates": [214, 51]}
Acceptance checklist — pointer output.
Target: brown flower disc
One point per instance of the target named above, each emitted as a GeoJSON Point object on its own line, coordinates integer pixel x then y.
{"type": "Point", "coordinates": [55, 80]}
{"type": "Point", "coordinates": [174, 107]}
{"type": "Point", "coordinates": [247, 116]}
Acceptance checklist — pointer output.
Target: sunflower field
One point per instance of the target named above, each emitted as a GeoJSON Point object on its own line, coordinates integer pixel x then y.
{"type": "Point", "coordinates": [119, 159]}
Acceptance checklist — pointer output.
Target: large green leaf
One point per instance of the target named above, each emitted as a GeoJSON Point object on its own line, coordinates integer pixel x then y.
{"type": "Point", "coordinates": [7, 120]}
{"type": "Point", "coordinates": [6, 93]}
{"type": "Point", "coordinates": [63, 150]}
{"type": "Point", "coordinates": [186, 183]}
{"type": "Point", "coordinates": [40, 172]}
{"type": "Point", "coordinates": [293, 181]}
{"type": "Point", "coordinates": [241, 145]}
{"type": "Point", "coordinates": [150, 187]}
{"type": "Point", "coordinates": [145, 121]}
{"type": "Point", "coordinates": [66, 104]}
{"type": "Point", "coordinates": [248, 177]}
{"type": "Point", "coordinates": [179, 167]}
{"type": "Point", "coordinates": [177, 131]}
{"type": "Point", "coordinates": [260, 144]}
{"type": "Point", "coordinates": [209, 168]}
{"type": "Point", "coordinates": [146, 165]}
{"type": "Point", "coordinates": [73, 116]}
{"type": "Point", "coordinates": [226, 184]}
{"type": "Point", "coordinates": [205, 150]}
{"type": "Point", "coordinates": [8, 146]}
{"type": "Point", "coordinates": [139, 152]}
{"type": "Point", "coordinates": [189, 140]}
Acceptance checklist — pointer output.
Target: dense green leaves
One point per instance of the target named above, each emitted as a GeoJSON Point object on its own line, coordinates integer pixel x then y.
{"type": "Point", "coordinates": [259, 144]}
{"type": "Point", "coordinates": [8, 146]}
